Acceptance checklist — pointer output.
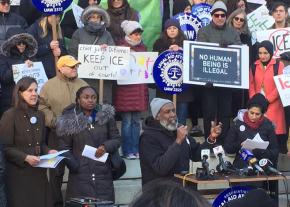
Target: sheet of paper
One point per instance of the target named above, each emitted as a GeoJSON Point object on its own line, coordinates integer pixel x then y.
{"type": "Point", "coordinates": [50, 163]}
{"type": "Point", "coordinates": [258, 138]}
{"type": "Point", "coordinates": [50, 156]}
{"type": "Point", "coordinates": [90, 152]}
{"type": "Point", "coordinates": [252, 144]}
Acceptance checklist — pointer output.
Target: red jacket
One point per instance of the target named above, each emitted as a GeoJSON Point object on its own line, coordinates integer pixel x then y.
{"type": "Point", "coordinates": [131, 97]}
{"type": "Point", "coordinates": [264, 78]}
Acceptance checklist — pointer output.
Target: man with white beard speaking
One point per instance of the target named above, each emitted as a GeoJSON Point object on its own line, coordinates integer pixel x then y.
{"type": "Point", "coordinates": [165, 147]}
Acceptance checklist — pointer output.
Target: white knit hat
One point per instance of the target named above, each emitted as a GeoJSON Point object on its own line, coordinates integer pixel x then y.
{"type": "Point", "coordinates": [218, 6]}
{"type": "Point", "coordinates": [156, 104]}
{"type": "Point", "coordinates": [130, 26]}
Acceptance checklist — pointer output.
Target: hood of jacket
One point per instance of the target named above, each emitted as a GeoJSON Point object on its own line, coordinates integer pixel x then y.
{"type": "Point", "coordinates": [240, 115]}
{"type": "Point", "coordinates": [87, 12]}
{"type": "Point", "coordinates": [73, 121]}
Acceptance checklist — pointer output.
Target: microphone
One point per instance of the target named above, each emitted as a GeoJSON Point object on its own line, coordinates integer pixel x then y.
{"type": "Point", "coordinates": [266, 165]}
{"type": "Point", "coordinates": [220, 154]}
{"type": "Point", "coordinates": [205, 155]}
{"type": "Point", "coordinates": [249, 158]}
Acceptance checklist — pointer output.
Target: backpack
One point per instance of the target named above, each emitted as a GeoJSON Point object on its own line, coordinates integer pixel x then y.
{"type": "Point", "coordinates": [275, 67]}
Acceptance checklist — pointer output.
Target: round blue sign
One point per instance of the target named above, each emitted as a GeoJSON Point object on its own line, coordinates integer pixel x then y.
{"type": "Point", "coordinates": [52, 6]}
{"type": "Point", "coordinates": [167, 72]}
{"type": "Point", "coordinates": [189, 23]}
{"type": "Point", "coordinates": [230, 194]}
{"type": "Point", "coordinates": [203, 12]}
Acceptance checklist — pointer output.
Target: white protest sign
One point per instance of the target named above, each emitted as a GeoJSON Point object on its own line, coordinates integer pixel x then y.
{"type": "Point", "coordinates": [77, 12]}
{"type": "Point", "coordinates": [260, 19]}
{"type": "Point", "coordinates": [280, 39]}
{"type": "Point", "coordinates": [283, 86]}
{"type": "Point", "coordinates": [257, 1]}
{"type": "Point", "coordinates": [140, 70]}
{"type": "Point", "coordinates": [103, 63]}
{"type": "Point", "coordinates": [36, 71]}
{"type": "Point", "coordinates": [224, 67]}
{"type": "Point", "coordinates": [14, 2]}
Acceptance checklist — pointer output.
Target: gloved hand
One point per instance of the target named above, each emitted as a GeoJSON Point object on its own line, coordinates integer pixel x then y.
{"type": "Point", "coordinates": [285, 56]}
{"type": "Point", "coordinates": [259, 153]}
{"type": "Point", "coordinates": [208, 85]}
{"type": "Point", "coordinates": [224, 44]}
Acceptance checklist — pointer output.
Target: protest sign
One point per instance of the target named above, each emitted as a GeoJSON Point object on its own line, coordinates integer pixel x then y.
{"type": "Point", "coordinates": [260, 19]}
{"type": "Point", "coordinates": [140, 70]}
{"type": "Point", "coordinates": [283, 86]}
{"type": "Point", "coordinates": [257, 1]}
{"type": "Point", "coordinates": [103, 63]}
{"type": "Point", "coordinates": [14, 2]}
{"type": "Point", "coordinates": [36, 71]}
{"type": "Point", "coordinates": [280, 39]}
{"type": "Point", "coordinates": [77, 12]}
{"type": "Point", "coordinates": [168, 72]}
{"type": "Point", "coordinates": [224, 67]}
{"type": "Point", "coordinates": [189, 24]}
{"type": "Point", "coordinates": [203, 12]}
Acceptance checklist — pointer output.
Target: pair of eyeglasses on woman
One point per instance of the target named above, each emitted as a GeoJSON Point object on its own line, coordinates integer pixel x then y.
{"type": "Point", "coordinates": [3, 3]}
{"type": "Point", "coordinates": [238, 19]}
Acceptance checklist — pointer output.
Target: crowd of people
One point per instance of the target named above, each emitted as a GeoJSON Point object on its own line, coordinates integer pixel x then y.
{"type": "Point", "coordinates": [66, 114]}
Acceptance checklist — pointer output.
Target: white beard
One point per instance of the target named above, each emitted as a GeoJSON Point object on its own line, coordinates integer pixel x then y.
{"type": "Point", "coordinates": [170, 126]}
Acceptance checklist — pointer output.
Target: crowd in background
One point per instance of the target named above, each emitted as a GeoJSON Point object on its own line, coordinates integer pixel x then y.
{"type": "Point", "coordinates": [65, 115]}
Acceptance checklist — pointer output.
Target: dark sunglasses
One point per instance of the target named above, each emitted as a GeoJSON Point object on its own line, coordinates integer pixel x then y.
{"type": "Point", "coordinates": [3, 3]}
{"type": "Point", "coordinates": [21, 42]}
{"type": "Point", "coordinates": [219, 15]}
{"type": "Point", "coordinates": [239, 19]}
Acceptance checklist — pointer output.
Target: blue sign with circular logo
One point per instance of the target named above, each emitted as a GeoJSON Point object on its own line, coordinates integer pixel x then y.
{"type": "Point", "coordinates": [167, 72]}
{"type": "Point", "coordinates": [202, 11]}
{"type": "Point", "coordinates": [230, 194]}
{"type": "Point", "coordinates": [52, 6]}
{"type": "Point", "coordinates": [190, 24]}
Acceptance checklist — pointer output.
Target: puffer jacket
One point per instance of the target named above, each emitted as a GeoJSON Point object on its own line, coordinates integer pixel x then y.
{"type": "Point", "coordinates": [88, 177]}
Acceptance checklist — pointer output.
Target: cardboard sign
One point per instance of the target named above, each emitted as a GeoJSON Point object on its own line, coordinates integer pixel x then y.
{"type": "Point", "coordinates": [280, 39]}
{"type": "Point", "coordinates": [141, 68]}
{"type": "Point", "coordinates": [189, 24]}
{"type": "Point", "coordinates": [282, 83]}
{"type": "Point", "coordinates": [103, 63]}
{"type": "Point", "coordinates": [36, 71]}
{"type": "Point", "coordinates": [52, 6]}
{"type": "Point", "coordinates": [260, 19]}
{"type": "Point", "coordinates": [224, 67]}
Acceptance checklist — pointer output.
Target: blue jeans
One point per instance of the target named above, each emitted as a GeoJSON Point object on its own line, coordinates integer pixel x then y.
{"type": "Point", "coordinates": [182, 112]}
{"type": "Point", "coordinates": [130, 132]}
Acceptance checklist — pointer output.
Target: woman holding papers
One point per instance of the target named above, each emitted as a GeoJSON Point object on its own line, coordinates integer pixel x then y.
{"type": "Point", "coordinates": [19, 48]}
{"type": "Point", "coordinates": [248, 124]}
{"type": "Point", "coordinates": [262, 81]}
{"type": "Point", "coordinates": [85, 125]}
{"type": "Point", "coordinates": [22, 131]}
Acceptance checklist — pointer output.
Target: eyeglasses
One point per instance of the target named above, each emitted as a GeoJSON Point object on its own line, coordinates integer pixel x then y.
{"type": "Point", "coordinates": [21, 43]}
{"type": "Point", "coordinates": [3, 3]}
{"type": "Point", "coordinates": [219, 15]}
{"type": "Point", "coordinates": [239, 19]}
{"type": "Point", "coordinates": [72, 67]}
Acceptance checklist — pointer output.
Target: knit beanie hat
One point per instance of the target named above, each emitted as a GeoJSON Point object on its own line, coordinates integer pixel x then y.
{"type": "Point", "coordinates": [171, 22]}
{"type": "Point", "coordinates": [258, 100]}
{"type": "Point", "coordinates": [218, 6]}
{"type": "Point", "coordinates": [268, 46]}
{"type": "Point", "coordinates": [156, 104]}
{"type": "Point", "coordinates": [131, 26]}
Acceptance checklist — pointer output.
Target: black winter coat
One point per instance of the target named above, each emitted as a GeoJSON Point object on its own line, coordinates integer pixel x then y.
{"type": "Point", "coordinates": [88, 177]}
{"type": "Point", "coordinates": [239, 132]}
{"type": "Point", "coordinates": [2, 174]}
{"type": "Point", "coordinates": [161, 156]}
{"type": "Point", "coordinates": [44, 53]}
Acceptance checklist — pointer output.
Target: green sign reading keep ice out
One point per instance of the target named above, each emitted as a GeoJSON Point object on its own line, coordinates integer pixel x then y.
{"type": "Point", "coordinates": [150, 18]}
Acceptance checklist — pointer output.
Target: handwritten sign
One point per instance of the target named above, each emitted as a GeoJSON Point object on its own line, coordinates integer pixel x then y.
{"type": "Point", "coordinates": [103, 63]}
{"type": "Point", "coordinates": [260, 19]}
{"type": "Point", "coordinates": [283, 86]}
{"type": "Point", "coordinates": [280, 39]}
{"type": "Point", "coordinates": [77, 12]}
{"type": "Point", "coordinates": [224, 67]}
{"type": "Point", "coordinates": [36, 71]}
{"type": "Point", "coordinates": [141, 67]}
{"type": "Point", "coordinates": [14, 2]}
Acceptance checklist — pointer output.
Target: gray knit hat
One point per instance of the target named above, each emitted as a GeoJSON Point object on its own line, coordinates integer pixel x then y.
{"type": "Point", "coordinates": [131, 26]}
{"type": "Point", "coordinates": [156, 104]}
{"type": "Point", "coordinates": [95, 9]}
{"type": "Point", "coordinates": [218, 6]}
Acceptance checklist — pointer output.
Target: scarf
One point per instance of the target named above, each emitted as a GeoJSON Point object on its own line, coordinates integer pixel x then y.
{"type": "Point", "coordinates": [131, 42]}
{"type": "Point", "coordinates": [252, 125]}
{"type": "Point", "coordinates": [95, 28]}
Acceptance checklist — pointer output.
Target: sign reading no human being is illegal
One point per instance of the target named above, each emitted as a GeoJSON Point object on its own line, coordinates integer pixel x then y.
{"type": "Point", "coordinates": [224, 67]}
